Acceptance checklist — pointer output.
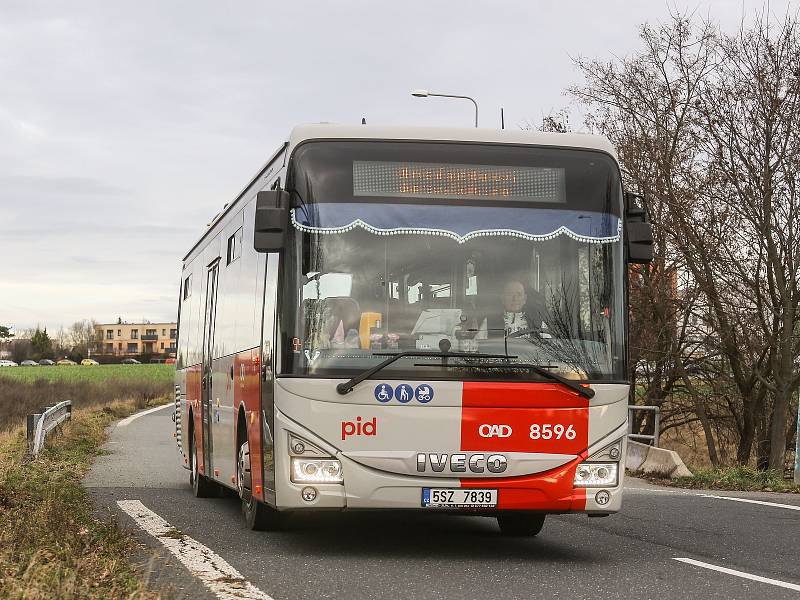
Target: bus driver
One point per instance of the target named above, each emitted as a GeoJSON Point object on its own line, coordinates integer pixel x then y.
{"type": "Point", "coordinates": [518, 314]}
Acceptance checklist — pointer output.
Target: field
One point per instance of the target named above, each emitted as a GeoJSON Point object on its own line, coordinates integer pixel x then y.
{"type": "Point", "coordinates": [25, 390]}
{"type": "Point", "coordinates": [95, 374]}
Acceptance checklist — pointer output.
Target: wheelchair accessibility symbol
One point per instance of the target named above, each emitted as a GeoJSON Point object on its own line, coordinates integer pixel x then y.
{"type": "Point", "coordinates": [383, 392]}
{"type": "Point", "coordinates": [423, 393]}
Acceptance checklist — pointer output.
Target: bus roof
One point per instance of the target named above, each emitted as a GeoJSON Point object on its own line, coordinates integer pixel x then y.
{"type": "Point", "coordinates": [332, 131]}
{"type": "Point", "coordinates": [302, 133]}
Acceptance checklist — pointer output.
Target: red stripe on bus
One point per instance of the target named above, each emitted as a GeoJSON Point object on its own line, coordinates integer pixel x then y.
{"type": "Point", "coordinates": [520, 395]}
{"type": "Point", "coordinates": [551, 491]}
{"type": "Point", "coordinates": [537, 417]}
{"type": "Point", "coordinates": [523, 417]}
{"type": "Point", "coordinates": [247, 392]}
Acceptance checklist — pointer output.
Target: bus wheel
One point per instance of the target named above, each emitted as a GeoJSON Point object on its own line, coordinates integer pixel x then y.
{"type": "Point", "coordinates": [520, 524]}
{"type": "Point", "coordinates": [257, 515]}
{"type": "Point", "coordinates": [202, 487]}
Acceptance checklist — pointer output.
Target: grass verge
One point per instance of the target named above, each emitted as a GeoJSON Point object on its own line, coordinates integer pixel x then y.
{"type": "Point", "coordinates": [51, 546]}
{"type": "Point", "coordinates": [743, 479]}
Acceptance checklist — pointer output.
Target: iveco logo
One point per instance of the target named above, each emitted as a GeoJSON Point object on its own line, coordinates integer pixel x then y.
{"type": "Point", "coordinates": [459, 463]}
{"type": "Point", "coordinates": [500, 431]}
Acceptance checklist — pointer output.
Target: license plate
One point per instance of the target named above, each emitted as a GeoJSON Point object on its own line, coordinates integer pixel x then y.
{"type": "Point", "coordinates": [458, 498]}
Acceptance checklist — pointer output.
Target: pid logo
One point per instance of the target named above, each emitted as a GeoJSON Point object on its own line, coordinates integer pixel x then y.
{"type": "Point", "coordinates": [360, 427]}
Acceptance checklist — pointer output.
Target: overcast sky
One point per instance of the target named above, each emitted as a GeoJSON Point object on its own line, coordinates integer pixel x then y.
{"type": "Point", "coordinates": [125, 126]}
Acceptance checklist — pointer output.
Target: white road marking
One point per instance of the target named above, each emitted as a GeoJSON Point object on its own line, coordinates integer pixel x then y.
{"type": "Point", "coordinates": [128, 420]}
{"type": "Point", "coordinates": [773, 504]}
{"type": "Point", "coordinates": [634, 491]}
{"type": "Point", "coordinates": [734, 572]}
{"type": "Point", "coordinates": [217, 575]}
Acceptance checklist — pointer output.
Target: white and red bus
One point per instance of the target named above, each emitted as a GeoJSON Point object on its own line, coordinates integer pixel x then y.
{"type": "Point", "coordinates": [413, 318]}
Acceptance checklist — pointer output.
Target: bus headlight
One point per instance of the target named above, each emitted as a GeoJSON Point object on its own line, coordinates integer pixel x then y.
{"type": "Point", "coordinates": [315, 470]}
{"type": "Point", "coordinates": [596, 475]}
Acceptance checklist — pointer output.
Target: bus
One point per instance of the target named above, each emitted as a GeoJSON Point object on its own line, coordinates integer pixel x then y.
{"type": "Point", "coordinates": [413, 318]}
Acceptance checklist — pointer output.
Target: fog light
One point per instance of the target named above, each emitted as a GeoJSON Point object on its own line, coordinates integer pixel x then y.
{"type": "Point", "coordinates": [602, 497]}
{"type": "Point", "coordinates": [299, 448]}
{"type": "Point", "coordinates": [315, 470]}
{"type": "Point", "coordinates": [596, 475]}
{"type": "Point", "coordinates": [614, 453]}
{"type": "Point", "coordinates": [309, 494]}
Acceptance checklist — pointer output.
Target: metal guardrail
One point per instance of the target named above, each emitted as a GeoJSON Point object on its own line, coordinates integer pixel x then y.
{"type": "Point", "coordinates": [656, 425]}
{"type": "Point", "coordinates": [40, 424]}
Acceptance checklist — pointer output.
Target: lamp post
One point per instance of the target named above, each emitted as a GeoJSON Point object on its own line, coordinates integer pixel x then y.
{"type": "Point", "coordinates": [426, 93]}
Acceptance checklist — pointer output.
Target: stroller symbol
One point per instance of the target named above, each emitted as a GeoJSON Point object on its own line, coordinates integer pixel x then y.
{"type": "Point", "coordinates": [383, 392]}
{"type": "Point", "coordinates": [424, 393]}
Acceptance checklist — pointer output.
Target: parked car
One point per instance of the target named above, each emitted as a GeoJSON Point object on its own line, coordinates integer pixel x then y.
{"type": "Point", "coordinates": [130, 361]}
{"type": "Point", "coordinates": [64, 362]}
{"type": "Point", "coordinates": [28, 363]}
{"type": "Point", "coordinates": [169, 361]}
{"type": "Point", "coordinates": [46, 362]}
{"type": "Point", "coordinates": [88, 362]}
{"type": "Point", "coordinates": [7, 363]}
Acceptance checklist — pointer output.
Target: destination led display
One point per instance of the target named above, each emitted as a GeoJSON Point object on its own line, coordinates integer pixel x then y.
{"type": "Point", "coordinates": [447, 180]}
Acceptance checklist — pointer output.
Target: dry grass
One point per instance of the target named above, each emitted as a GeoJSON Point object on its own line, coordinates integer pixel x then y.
{"type": "Point", "coordinates": [18, 398]}
{"type": "Point", "coordinates": [744, 479]}
{"type": "Point", "coordinates": [50, 544]}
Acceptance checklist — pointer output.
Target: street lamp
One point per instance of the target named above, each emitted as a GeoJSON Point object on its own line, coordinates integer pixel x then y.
{"type": "Point", "coordinates": [426, 93]}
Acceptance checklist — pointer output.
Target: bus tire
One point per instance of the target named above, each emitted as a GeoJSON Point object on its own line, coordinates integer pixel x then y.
{"type": "Point", "coordinates": [257, 515]}
{"type": "Point", "coordinates": [520, 524]}
{"type": "Point", "coordinates": [202, 486]}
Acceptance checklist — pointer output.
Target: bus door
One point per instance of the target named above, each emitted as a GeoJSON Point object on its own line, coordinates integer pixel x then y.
{"type": "Point", "coordinates": [208, 353]}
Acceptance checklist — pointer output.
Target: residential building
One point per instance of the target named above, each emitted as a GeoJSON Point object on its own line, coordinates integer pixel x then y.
{"type": "Point", "coordinates": [129, 339]}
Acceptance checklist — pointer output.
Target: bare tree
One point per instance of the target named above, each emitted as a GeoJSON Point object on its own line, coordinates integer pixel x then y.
{"type": "Point", "coordinates": [750, 117]}
{"type": "Point", "coordinates": [643, 105]}
{"type": "Point", "coordinates": [706, 129]}
{"type": "Point", "coordinates": [62, 343]}
{"type": "Point", "coordinates": [83, 336]}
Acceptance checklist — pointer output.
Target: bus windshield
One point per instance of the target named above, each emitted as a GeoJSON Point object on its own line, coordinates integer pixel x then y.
{"type": "Point", "coordinates": [512, 251]}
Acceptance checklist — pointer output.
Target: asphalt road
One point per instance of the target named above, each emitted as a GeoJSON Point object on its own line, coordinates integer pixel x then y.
{"type": "Point", "coordinates": [420, 555]}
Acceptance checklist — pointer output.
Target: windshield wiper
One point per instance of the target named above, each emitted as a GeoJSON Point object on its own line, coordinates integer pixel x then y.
{"type": "Point", "coordinates": [347, 386]}
{"type": "Point", "coordinates": [539, 370]}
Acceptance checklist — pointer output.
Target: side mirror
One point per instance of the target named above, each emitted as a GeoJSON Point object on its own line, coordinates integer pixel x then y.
{"type": "Point", "coordinates": [638, 231]}
{"type": "Point", "coordinates": [272, 220]}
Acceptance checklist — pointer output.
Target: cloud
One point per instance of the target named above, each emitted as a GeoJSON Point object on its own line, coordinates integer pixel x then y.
{"type": "Point", "coordinates": [125, 127]}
